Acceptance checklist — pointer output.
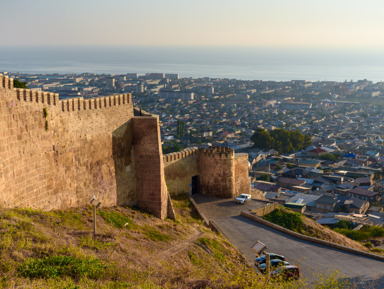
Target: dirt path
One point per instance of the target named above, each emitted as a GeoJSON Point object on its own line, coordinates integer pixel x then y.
{"type": "Point", "coordinates": [180, 246]}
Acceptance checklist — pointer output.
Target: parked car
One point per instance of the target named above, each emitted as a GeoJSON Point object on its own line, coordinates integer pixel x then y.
{"type": "Point", "coordinates": [262, 258]}
{"type": "Point", "coordinates": [275, 263]}
{"type": "Point", "coordinates": [242, 198]}
{"type": "Point", "coordinates": [290, 272]}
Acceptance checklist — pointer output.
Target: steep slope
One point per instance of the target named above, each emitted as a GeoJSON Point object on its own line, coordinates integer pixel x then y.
{"type": "Point", "coordinates": [132, 249]}
{"type": "Point", "coordinates": [301, 224]}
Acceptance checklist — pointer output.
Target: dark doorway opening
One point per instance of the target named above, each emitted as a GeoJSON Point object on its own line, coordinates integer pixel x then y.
{"type": "Point", "coordinates": [195, 185]}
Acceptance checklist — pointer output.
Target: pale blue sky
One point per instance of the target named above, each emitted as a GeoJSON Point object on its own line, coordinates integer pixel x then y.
{"type": "Point", "coordinates": [317, 23]}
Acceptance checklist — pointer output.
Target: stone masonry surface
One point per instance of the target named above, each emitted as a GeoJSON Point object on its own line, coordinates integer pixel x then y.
{"type": "Point", "coordinates": [56, 154]}
{"type": "Point", "coordinates": [220, 171]}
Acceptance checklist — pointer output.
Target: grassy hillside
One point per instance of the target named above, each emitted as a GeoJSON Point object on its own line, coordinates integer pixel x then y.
{"type": "Point", "coordinates": [132, 249]}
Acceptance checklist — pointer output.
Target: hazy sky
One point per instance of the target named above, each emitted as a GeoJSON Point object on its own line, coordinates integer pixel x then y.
{"type": "Point", "coordinates": [319, 23]}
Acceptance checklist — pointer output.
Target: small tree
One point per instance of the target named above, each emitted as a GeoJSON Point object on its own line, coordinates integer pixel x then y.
{"type": "Point", "coordinates": [307, 141]}
{"type": "Point", "coordinates": [261, 139]}
{"type": "Point", "coordinates": [19, 84]}
{"type": "Point", "coordinates": [264, 177]}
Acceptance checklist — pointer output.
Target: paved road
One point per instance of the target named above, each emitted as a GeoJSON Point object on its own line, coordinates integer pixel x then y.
{"type": "Point", "coordinates": [312, 258]}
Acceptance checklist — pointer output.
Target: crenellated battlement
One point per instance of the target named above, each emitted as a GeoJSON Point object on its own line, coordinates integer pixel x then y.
{"type": "Point", "coordinates": [71, 104]}
{"type": "Point", "coordinates": [180, 155]}
{"type": "Point", "coordinates": [37, 96]}
{"type": "Point", "coordinates": [6, 82]}
{"type": "Point", "coordinates": [218, 152]}
{"type": "Point", "coordinates": [79, 103]}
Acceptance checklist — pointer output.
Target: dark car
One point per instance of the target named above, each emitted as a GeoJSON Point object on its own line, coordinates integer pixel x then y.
{"type": "Point", "coordinates": [262, 258]}
{"type": "Point", "coordinates": [275, 264]}
{"type": "Point", "coordinates": [290, 272]}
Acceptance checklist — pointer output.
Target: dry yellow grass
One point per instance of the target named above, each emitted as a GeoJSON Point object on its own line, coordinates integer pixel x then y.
{"type": "Point", "coordinates": [139, 250]}
{"type": "Point", "coordinates": [132, 249]}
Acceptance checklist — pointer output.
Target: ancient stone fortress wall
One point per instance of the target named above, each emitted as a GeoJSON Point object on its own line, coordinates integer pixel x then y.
{"type": "Point", "coordinates": [217, 172]}
{"type": "Point", "coordinates": [220, 172]}
{"type": "Point", "coordinates": [152, 193]}
{"type": "Point", "coordinates": [56, 154]}
{"type": "Point", "coordinates": [242, 181]}
{"type": "Point", "coordinates": [179, 169]}
{"type": "Point", "coordinates": [59, 153]}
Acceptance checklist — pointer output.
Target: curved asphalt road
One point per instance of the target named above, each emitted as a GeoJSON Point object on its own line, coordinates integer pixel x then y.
{"type": "Point", "coordinates": [312, 258]}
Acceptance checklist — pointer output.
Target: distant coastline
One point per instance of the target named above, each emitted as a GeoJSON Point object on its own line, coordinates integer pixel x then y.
{"type": "Point", "coordinates": [215, 62]}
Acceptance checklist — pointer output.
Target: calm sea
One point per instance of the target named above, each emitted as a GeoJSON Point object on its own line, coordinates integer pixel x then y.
{"type": "Point", "coordinates": [234, 62]}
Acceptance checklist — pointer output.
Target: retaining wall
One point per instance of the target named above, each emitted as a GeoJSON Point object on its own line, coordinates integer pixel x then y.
{"type": "Point", "coordinates": [269, 207]}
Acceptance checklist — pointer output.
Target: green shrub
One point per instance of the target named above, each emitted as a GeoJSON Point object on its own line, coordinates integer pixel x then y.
{"type": "Point", "coordinates": [45, 112]}
{"type": "Point", "coordinates": [61, 266]}
{"type": "Point", "coordinates": [264, 177]}
{"type": "Point", "coordinates": [344, 225]}
{"type": "Point", "coordinates": [377, 250]}
{"type": "Point", "coordinates": [19, 84]}
{"type": "Point", "coordinates": [368, 245]}
{"type": "Point", "coordinates": [376, 231]}
{"type": "Point", "coordinates": [289, 220]}
{"type": "Point", "coordinates": [364, 233]}
{"type": "Point", "coordinates": [354, 235]}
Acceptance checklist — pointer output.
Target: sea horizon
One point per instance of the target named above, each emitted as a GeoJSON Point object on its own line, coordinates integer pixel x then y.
{"type": "Point", "coordinates": [243, 63]}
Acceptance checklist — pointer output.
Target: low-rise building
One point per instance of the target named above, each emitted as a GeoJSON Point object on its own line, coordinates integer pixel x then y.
{"type": "Point", "coordinates": [289, 183]}
{"type": "Point", "coordinates": [325, 203]}
{"type": "Point", "coordinates": [363, 194]}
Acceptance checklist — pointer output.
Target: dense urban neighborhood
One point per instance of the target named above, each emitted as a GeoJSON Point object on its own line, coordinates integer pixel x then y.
{"type": "Point", "coordinates": [333, 172]}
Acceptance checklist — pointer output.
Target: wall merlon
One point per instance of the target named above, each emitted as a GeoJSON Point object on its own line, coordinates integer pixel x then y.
{"type": "Point", "coordinates": [218, 152]}
{"type": "Point", "coordinates": [65, 105]}
{"type": "Point", "coordinates": [94, 102]}
{"type": "Point", "coordinates": [36, 96]}
{"type": "Point", "coordinates": [10, 83]}
{"type": "Point", "coordinates": [180, 155]}
{"type": "Point", "coordinates": [76, 104]}
{"type": "Point", "coordinates": [6, 82]}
